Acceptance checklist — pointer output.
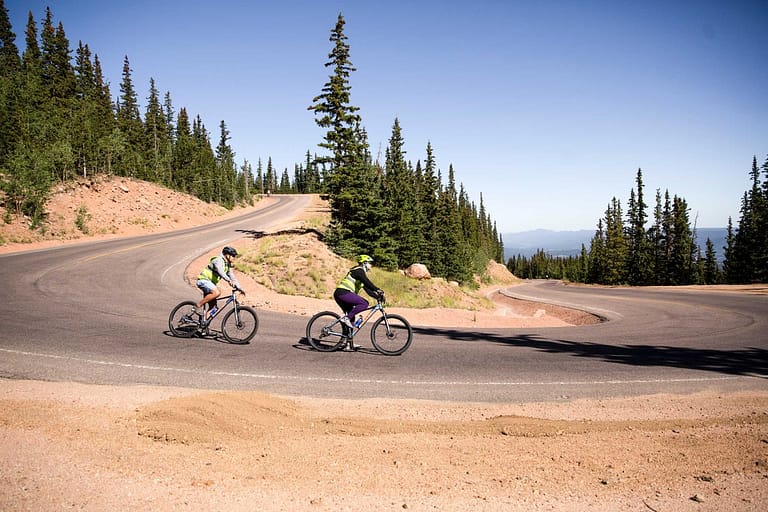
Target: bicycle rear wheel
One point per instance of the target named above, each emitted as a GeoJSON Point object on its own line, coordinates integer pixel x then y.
{"type": "Point", "coordinates": [322, 336]}
{"type": "Point", "coordinates": [182, 321]}
{"type": "Point", "coordinates": [241, 328]}
{"type": "Point", "coordinates": [391, 335]}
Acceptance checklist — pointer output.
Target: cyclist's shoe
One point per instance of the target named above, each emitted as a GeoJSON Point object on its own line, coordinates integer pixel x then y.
{"type": "Point", "coordinates": [351, 347]}
{"type": "Point", "coordinates": [346, 321]}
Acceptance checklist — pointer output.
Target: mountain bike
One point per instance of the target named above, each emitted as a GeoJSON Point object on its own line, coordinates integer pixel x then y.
{"type": "Point", "coordinates": [238, 325]}
{"type": "Point", "coordinates": [390, 334]}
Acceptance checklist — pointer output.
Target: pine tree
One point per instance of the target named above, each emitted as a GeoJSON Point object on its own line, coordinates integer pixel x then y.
{"type": "Point", "coordinates": [429, 192]}
{"type": "Point", "coordinates": [333, 111]}
{"type": "Point", "coordinates": [682, 260]}
{"type": "Point", "coordinates": [454, 260]}
{"type": "Point", "coordinates": [156, 137]}
{"type": "Point", "coordinates": [104, 120]}
{"type": "Point", "coordinates": [640, 263]}
{"type": "Point", "coordinates": [358, 217]}
{"type": "Point", "coordinates": [270, 180]}
{"type": "Point", "coordinates": [130, 125]}
{"type": "Point", "coordinates": [226, 178]}
{"type": "Point", "coordinates": [246, 174]}
{"type": "Point", "coordinates": [711, 272]}
{"type": "Point", "coordinates": [58, 87]}
{"type": "Point", "coordinates": [27, 166]}
{"type": "Point", "coordinates": [616, 247]}
{"type": "Point", "coordinates": [400, 201]}
{"type": "Point", "coordinates": [204, 165]}
{"type": "Point", "coordinates": [10, 75]}
{"type": "Point", "coordinates": [747, 257]}
{"type": "Point", "coordinates": [183, 154]}
{"type": "Point", "coordinates": [84, 129]}
{"type": "Point", "coordinates": [761, 252]}
{"type": "Point", "coordinates": [260, 189]}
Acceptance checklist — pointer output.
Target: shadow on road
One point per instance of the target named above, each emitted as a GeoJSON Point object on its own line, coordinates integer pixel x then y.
{"type": "Point", "coordinates": [747, 362]}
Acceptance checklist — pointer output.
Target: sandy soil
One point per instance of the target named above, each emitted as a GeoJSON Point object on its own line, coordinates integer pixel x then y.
{"type": "Point", "coordinates": [84, 447]}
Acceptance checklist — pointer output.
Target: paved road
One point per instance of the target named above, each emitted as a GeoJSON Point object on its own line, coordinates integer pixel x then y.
{"type": "Point", "coordinates": [97, 313]}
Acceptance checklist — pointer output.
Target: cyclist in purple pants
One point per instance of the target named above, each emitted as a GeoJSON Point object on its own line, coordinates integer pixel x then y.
{"type": "Point", "coordinates": [347, 293]}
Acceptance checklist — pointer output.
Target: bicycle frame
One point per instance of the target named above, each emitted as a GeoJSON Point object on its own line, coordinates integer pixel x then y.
{"type": "Point", "coordinates": [230, 299]}
{"type": "Point", "coordinates": [371, 310]}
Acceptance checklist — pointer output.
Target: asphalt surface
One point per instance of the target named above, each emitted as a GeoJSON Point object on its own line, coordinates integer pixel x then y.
{"type": "Point", "coordinates": [97, 312]}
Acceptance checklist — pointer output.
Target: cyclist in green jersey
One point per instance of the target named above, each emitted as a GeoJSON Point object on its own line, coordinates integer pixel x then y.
{"type": "Point", "coordinates": [220, 267]}
{"type": "Point", "coordinates": [347, 293]}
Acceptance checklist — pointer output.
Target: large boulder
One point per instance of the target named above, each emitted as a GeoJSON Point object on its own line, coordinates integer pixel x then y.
{"type": "Point", "coordinates": [418, 271]}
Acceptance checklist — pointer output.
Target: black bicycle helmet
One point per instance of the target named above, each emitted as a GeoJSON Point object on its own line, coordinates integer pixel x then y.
{"type": "Point", "coordinates": [230, 251]}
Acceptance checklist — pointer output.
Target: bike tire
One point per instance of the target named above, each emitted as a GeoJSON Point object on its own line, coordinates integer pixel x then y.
{"type": "Point", "coordinates": [242, 331]}
{"type": "Point", "coordinates": [322, 338]}
{"type": "Point", "coordinates": [392, 337]}
{"type": "Point", "coordinates": [182, 322]}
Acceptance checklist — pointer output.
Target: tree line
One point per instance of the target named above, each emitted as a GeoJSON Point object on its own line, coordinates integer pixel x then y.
{"type": "Point", "coordinates": [58, 121]}
{"type": "Point", "coordinates": [625, 251]}
{"type": "Point", "coordinates": [398, 212]}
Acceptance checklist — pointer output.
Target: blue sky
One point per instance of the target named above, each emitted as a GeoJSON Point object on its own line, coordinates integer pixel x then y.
{"type": "Point", "coordinates": [546, 108]}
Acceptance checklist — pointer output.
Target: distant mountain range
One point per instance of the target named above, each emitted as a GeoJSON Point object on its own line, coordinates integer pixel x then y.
{"type": "Point", "coordinates": [568, 243]}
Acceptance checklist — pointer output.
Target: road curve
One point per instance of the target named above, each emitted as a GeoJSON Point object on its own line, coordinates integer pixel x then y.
{"type": "Point", "coordinates": [96, 312]}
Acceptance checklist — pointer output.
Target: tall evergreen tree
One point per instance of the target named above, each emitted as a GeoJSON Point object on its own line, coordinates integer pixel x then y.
{"type": "Point", "coordinates": [156, 137]}
{"type": "Point", "coordinates": [28, 166]}
{"type": "Point", "coordinates": [640, 264]}
{"type": "Point", "coordinates": [711, 272]}
{"type": "Point", "coordinates": [204, 164]}
{"type": "Point", "coordinates": [358, 221]}
{"type": "Point", "coordinates": [747, 257]}
{"type": "Point", "coordinates": [334, 112]}
{"type": "Point", "coordinates": [597, 256]}
{"type": "Point", "coordinates": [58, 87]}
{"type": "Point", "coordinates": [761, 252]}
{"type": "Point", "coordinates": [226, 178]}
{"type": "Point", "coordinates": [183, 154]}
{"type": "Point", "coordinates": [10, 68]}
{"type": "Point", "coordinates": [400, 198]}
{"type": "Point", "coordinates": [454, 259]}
{"type": "Point", "coordinates": [429, 193]}
{"type": "Point", "coordinates": [131, 126]}
{"type": "Point", "coordinates": [682, 261]}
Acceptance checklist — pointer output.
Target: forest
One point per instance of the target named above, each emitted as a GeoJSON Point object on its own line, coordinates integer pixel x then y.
{"type": "Point", "coordinates": [58, 121]}
{"type": "Point", "coordinates": [625, 250]}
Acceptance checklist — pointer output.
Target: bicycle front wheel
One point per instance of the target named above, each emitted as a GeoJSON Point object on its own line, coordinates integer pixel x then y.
{"type": "Point", "coordinates": [182, 321]}
{"type": "Point", "coordinates": [391, 335]}
{"type": "Point", "coordinates": [241, 327]}
{"type": "Point", "coordinates": [323, 335]}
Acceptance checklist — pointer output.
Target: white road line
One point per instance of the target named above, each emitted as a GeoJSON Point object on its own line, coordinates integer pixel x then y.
{"type": "Point", "coordinates": [380, 381]}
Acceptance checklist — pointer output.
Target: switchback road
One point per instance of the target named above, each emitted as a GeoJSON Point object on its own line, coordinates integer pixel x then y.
{"type": "Point", "coordinates": [97, 312]}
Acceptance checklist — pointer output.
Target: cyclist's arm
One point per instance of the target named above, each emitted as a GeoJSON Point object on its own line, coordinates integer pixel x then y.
{"type": "Point", "coordinates": [219, 268]}
{"type": "Point", "coordinates": [233, 280]}
{"type": "Point", "coordinates": [370, 288]}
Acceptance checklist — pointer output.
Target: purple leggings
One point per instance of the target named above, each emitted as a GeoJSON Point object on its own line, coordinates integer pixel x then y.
{"type": "Point", "coordinates": [349, 302]}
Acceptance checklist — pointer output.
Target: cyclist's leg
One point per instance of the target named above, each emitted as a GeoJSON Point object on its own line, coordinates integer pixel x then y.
{"type": "Point", "coordinates": [210, 293]}
{"type": "Point", "coordinates": [348, 301]}
{"type": "Point", "coordinates": [360, 305]}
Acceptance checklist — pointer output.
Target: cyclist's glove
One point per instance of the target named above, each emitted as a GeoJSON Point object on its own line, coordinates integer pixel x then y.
{"type": "Point", "coordinates": [380, 296]}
